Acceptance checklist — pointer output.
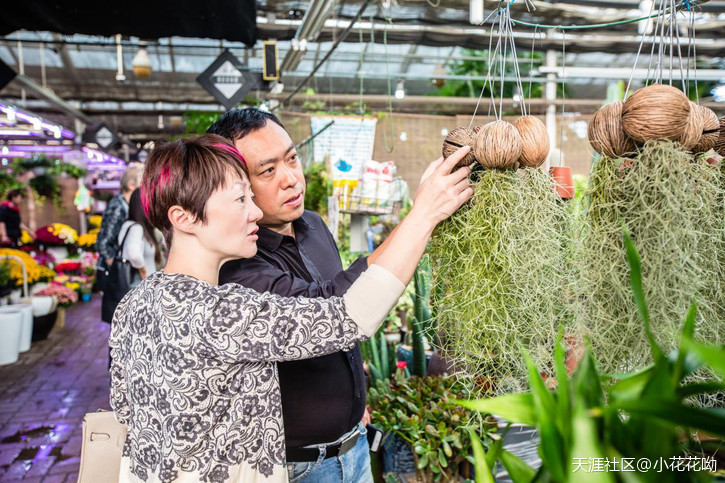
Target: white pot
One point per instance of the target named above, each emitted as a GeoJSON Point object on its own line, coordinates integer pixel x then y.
{"type": "Point", "coordinates": [11, 327]}
{"type": "Point", "coordinates": [15, 295]}
{"type": "Point", "coordinates": [59, 253]}
{"type": "Point", "coordinates": [43, 304]}
{"type": "Point", "coordinates": [26, 334]}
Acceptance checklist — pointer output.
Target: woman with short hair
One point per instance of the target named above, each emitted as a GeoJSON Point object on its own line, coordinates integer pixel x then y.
{"type": "Point", "coordinates": [193, 370]}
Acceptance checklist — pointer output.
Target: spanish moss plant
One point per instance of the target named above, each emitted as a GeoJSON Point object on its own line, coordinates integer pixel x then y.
{"type": "Point", "coordinates": [668, 201]}
{"type": "Point", "coordinates": [499, 273]}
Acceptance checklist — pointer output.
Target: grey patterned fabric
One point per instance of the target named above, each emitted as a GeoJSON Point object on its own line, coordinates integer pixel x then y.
{"type": "Point", "coordinates": [193, 374]}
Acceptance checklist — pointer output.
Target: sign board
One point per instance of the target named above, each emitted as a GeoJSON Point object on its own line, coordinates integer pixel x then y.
{"type": "Point", "coordinates": [227, 80]}
{"type": "Point", "coordinates": [101, 135]}
{"type": "Point", "coordinates": [271, 60]}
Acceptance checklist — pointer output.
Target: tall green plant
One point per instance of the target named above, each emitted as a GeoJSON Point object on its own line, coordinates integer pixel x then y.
{"type": "Point", "coordinates": [637, 416]}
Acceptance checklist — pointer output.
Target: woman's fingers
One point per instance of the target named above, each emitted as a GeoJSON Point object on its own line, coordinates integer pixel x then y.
{"type": "Point", "coordinates": [431, 169]}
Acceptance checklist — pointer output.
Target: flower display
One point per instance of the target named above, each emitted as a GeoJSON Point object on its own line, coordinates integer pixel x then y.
{"type": "Point", "coordinates": [95, 221]}
{"type": "Point", "coordinates": [68, 266]}
{"type": "Point", "coordinates": [56, 234]}
{"type": "Point", "coordinates": [87, 241]}
{"type": "Point", "coordinates": [16, 270]}
{"type": "Point", "coordinates": [45, 274]}
{"type": "Point", "coordinates": [66, 296]}
{"type": "Point", "coordinates": [26, 238]}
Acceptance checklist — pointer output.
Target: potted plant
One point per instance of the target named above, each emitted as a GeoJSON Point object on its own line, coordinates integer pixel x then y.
{"type": "Point", "coordinates": [641, 416]}
{"type": "Point", "coordinates": [422, 412]}
{"type": "Point", "coordinates": [6, 281]}
{"type": "Point", "coordinates": [65, 296]}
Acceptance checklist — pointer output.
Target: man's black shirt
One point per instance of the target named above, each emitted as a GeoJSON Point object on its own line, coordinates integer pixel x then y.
{"type": "Point", "coordinates": [322, 398]}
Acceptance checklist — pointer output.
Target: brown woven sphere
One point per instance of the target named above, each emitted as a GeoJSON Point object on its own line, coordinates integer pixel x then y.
{"type": "Point", "coordinates": [534, 141]}
{"type": "Point", "coordinates": [693, 128]}
{"type": "Point", "coordinates": [606, 134]}
{"type": "Point", "coordinates": [476, 128]}
{"type": "Point", "coordinates": [720, 147]}
{"type": "Point", "coordinates": [455, 140]}
{"type": "Point", "coordinates": [655, 112]}
{"type": "Point", "coordinates": [498, 145]}
{"type": "Point", "coordinates": [710, 133]}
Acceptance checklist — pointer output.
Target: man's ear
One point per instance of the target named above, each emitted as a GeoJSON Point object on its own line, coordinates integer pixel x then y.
{"type": "Point", "coordinates": [181, 219]}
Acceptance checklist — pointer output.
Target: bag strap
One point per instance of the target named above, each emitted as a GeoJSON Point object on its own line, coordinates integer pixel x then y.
{"type": "Point", "coordinates": [119, 252]}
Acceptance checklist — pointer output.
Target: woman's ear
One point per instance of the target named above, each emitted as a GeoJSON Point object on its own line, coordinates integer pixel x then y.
{"type": "Point", "coordinates": [181, 219]}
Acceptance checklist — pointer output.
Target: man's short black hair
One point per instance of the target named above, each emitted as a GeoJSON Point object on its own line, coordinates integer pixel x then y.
{"type": "Point", "coordinates": [237, 123]}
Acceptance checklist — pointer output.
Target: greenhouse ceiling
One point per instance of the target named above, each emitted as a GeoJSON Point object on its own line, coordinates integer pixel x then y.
{"type": "Point", "coordinates": [392, 43]}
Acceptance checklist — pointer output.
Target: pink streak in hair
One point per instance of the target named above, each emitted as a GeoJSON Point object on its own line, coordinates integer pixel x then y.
{"type": "Point", "coordinates": [234, 151]}
{"type": "Point", "coordinates": [159, 183]}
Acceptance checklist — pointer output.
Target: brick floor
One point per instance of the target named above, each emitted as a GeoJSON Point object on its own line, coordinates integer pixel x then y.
{"type": "Point", "coordinates": [44, 395]}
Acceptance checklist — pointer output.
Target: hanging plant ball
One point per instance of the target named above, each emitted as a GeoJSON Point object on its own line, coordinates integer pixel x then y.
{"type": "Point", "coordinates": [656, 112]}
{"type": "Point", "coordinates": [720, 148]}
{"type": "Point", "coordinates": [690, 137]}
{"type": "Point", "coordinates": [606, 134]}
{"type": "Point", "coordinates": [476, 129]}
{"type": "Point", "coordinates": [455, 140]}
{"type": "Point", "coordinates": [534, 141]}
{"type": "Point", "coordinates": [711, 129]}
{"type": "Point", "coordinates": [498, 145]}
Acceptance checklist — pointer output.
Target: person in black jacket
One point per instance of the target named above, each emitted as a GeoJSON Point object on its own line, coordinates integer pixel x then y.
{"type": "Point", "coordinates": [10, 225]}
{"type": "Point", "coordinates": [323, 399]}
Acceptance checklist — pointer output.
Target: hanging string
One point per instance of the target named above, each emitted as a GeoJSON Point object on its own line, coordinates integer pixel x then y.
{"type": "Point", "coordinates": [531, 65]}
{"type": "Point", "coordinates": [563, 97]}
{"type": "Point", "coordinates": [639, 49]}
{"type": "Point", "coordinates": [391, 147]}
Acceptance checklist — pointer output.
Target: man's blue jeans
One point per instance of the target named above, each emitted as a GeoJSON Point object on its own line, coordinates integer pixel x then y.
{"type": "Point", "coordinates": [352, 467]}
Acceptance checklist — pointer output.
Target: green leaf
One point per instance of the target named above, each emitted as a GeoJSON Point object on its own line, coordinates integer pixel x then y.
{"type": "Point", "coordinates": [631, 387]}
{"type": "Point", "coordinates": [699, 388]}
{"type": "Point", "coordinates": [374, 372]}
{"type": "Point", "coordinates": [712, 356]}
{"type": "Point", "coordinates": [517, 408]}
{"type": "Point", "coordinates": [422, 462]}
{"type": "Point", "coordinates": [585, 446]}
{"type": "Point", "coordinates": [563, 401]}
{"type": "Point", "coordinates": [552, 444]}
{"type": "Point", "coordinates": [516, 468]}
{"type": "Point", "coordinates": [635, 266]}
{"type": "Point", "coordinates": [709, 420]}
{"type": "Point", "coordinates": [587, 384]}
{"type": "Point", "coordinates": [385, 363]}
{"type": "Point", "coordinates": [442, 459]}
{"type": "Point", "coordinates": [447, 449]}
{"type": "Point", "coordinates": [483, 471]}
{"type": "Point", "coordinates": [687, 331]}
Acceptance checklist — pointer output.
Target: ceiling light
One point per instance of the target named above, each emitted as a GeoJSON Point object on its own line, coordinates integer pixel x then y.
{"type": "Point", "coordinates": [400, 90]}
{"type": "Point", "coordinates": [142, 63]}
{"type": "Point", "coordinates": [475, 12]}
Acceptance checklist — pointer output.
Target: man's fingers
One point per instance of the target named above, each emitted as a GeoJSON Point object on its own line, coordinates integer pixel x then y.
{"type": "Point", "coordinates": [453, 159]}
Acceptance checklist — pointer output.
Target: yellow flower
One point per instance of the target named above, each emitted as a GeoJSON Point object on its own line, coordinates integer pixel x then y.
{"type": "Point", "coordinates": [87, 240]}
{"type": "Point", "coordinates": [95, 221]}
{"type": "Point", "coordinates": [26, 238]}
{"type": "Point", "coordinates": [16, 271]}
{"type": "Point", "coordinates": [64, 232]}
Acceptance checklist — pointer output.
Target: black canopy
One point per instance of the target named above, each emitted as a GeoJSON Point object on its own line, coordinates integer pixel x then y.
{"type": "Point", "coordinates": [233, 20]}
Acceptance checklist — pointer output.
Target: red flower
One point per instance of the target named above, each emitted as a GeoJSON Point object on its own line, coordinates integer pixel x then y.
{"type": "Point", "coordinates": [401, 364]}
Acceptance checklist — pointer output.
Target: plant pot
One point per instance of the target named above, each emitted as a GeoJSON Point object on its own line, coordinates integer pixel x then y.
{"type": "Point", "coordinates": [58, 253]}
{"type": "Point", "coordinates": [42, 325]}
{"type": "Point", "coordinates": [392, 337]}
{"type": "Point", "coordinates": [60, 319]}
{"type": "Point", "coordinates": [26, 330]}
{"type": "Point", "coordinates": [43, 304]}
{"type": "Point", "coordinates": [563, 181]}
{"type": "Point", "coordinates": [85, 297]}
{"type": "Point", "coordinates": [11, 326]}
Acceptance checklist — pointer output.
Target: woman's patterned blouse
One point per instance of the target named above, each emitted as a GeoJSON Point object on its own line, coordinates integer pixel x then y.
{"type": "Point", "coordinates": [193, 375]}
